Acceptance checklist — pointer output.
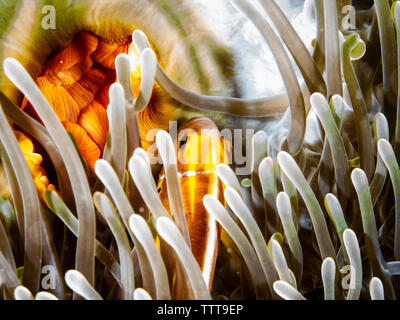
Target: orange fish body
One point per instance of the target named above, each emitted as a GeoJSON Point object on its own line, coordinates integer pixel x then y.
{"type": "Point", "coordinates": [199, 150]}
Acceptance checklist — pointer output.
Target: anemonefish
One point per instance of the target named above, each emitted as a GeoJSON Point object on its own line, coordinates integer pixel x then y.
{"type": "Point", "coordinates": [200, 148]}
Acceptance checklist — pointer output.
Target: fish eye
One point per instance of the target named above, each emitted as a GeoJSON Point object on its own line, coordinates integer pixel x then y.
{"type": "Point", "coordinates": [183, 141]}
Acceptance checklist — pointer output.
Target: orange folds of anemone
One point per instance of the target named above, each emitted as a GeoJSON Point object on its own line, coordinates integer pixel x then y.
{"type": "Point", "coordinates": [75, 82]}
{"type": "Point", "coordinates": [34, 161]}
{"type": "Point", "coordinates": [94, 120]}
{"type": "Point", "coordinates": [90, 151]}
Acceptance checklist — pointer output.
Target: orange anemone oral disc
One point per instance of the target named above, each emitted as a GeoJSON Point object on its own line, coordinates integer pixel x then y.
{"type": "Point", "coordinates": [76, 82]}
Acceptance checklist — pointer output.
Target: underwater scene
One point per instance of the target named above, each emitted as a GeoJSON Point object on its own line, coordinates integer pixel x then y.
{"type": "Point", "coordinates": [199, 150]}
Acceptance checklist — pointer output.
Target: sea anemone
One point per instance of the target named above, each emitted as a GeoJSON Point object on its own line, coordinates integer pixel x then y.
{"type": "Point", "coordinates": [100, 201]}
